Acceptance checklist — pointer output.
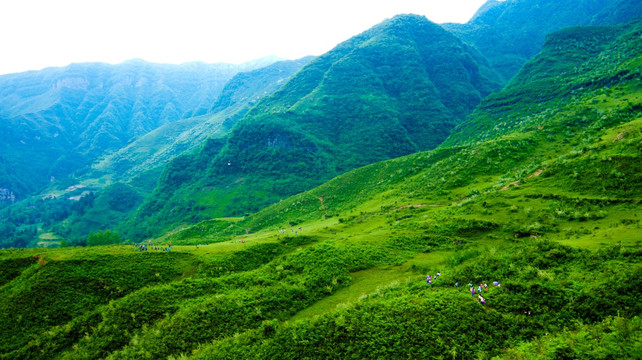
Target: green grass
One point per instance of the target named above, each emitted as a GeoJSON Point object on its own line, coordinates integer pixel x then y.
{"type": "Point", "coordinates": [367, 282]}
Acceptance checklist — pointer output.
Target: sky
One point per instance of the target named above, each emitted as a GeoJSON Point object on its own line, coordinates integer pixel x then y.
{"type": "Point", "coordinates": [35, 34]}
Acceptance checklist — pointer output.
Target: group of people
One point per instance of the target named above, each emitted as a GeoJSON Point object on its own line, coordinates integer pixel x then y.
{"type": "Point", "coordinates": [292, 230]}
{"type": "Point", "coordinates": [147, 247]}
{"type": "Point", "coordinates": [429, 278]}
{"type": "Point", "coordinates": [478, 291]}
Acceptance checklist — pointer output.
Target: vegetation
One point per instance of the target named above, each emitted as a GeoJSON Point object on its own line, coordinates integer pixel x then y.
{"type": "Point", "coordinates": [395, 89]}
{"type": "Point", "coordinates": [537, 194]}
{"type": "Point", "coordinates": [119, 181]}
{"type": "Point", "coordinates": [510, 33]}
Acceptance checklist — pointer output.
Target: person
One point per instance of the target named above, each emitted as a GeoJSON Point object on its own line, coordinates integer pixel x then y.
{"type": "Point", "coordinates": [479, 289]}
{"type": "Point", "coordinates": [428, 279]}
{"type": "Point", "coordinates": [481, 300]}
{"type": "Point", "coordinates": [472, 291]}
{"type": "Point", "coordinates": [456, 284]}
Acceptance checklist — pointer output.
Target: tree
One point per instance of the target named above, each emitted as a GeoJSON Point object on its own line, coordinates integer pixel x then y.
{"type": "Point", "coordinates": [103, 238]}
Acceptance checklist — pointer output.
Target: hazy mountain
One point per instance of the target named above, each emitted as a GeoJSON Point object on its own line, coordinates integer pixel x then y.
{"type": "Point", "coordinates": [56, 120]}
{"type": "Point", "coordinates": [395, 89]}
{"type": "Point", "coordinates": [106, 194]}
{"type": "Point", "coordinates": [157, 147]}
{"type": "Point", "coordinates": [508, 33]}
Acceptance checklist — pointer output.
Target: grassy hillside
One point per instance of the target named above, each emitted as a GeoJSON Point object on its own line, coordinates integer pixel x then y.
{"type": "Point", "coordinates": [339, 271]}
{"type": "Point", "coordinates": [395, 89]}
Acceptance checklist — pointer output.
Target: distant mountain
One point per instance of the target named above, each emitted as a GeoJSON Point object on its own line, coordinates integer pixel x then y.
{"type": "Point", "coordinates": [56, 120]}
{"type": "Point", "coordinates": [395, 89]}
{"type": "Point", "coordinates": [508, 33]}
{"type": "Point", "coordinates": [115, 185]}
{"type": "Point", "coordinates": [159, 146]}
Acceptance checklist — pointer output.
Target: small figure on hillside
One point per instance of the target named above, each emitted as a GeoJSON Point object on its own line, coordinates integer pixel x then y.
{"type": "Point", "coordinates": [438, 274]}
{"type": "Point", "coordinates": [428, 279]}
{"type": "Point", "coordinates": [456, 284]}
{"type": "Point", "coordinates": [481, 300]}
{"type": "Point", "coordinates": [479, 289]}
{"type": "Point", "coordinates": [495, 283]}
{"type": "Point", "coordinates": [470, 284]}
{"type": "Point", "coordinates": [472, 291]}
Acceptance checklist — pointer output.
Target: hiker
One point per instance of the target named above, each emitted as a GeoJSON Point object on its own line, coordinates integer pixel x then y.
{"type": "Point", "coordinates": [481, 300]}
{"type": "Point", "coordinates": [456, 284]}
{"type": "Point", "coordinates": [479, 289]}
{"type": "Point", "coordinates": [428, 279]}
{"type": "Point", "coordinates": [438, 274]}
{"type": "Point", "coordinates": [472, 291]}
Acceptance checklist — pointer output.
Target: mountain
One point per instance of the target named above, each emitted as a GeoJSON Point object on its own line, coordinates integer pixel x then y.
{"type": "Point", "coordinates": [395, 89]}
{"type": "Point", "coordinates": [159, 146]}
{"type": "Point", "coordinates": [536, 195]}
{"type": "Point", "coordinates": [508, 33]}
{"type": "Point", "coordinates": [57, 120]}
{"type": "Point", "coordinates": [109, 192]}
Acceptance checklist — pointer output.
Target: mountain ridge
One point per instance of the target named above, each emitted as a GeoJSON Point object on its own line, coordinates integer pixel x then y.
{"type": "Point", "coordinates": [380, 94]}
{"type": "Point", "coordinates": [57, 120]}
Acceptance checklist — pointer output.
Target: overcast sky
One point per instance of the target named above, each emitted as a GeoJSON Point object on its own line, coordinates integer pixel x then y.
{"type": "Point", "coordinates": [39, 33]}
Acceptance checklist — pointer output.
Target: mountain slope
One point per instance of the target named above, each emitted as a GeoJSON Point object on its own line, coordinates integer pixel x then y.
{"type": "Point", "coordinates": [162, 144]}
{"type": "Point", "coordinates": [509, 33]}
{"type": "Point", "coordinates": [553, 217]}
{"type": "Point", "coordinates": [57, 120]}
{"type": "Point", "coordinates": [395, 89]}
{"type": "Point", "coordinates": [107, 194]}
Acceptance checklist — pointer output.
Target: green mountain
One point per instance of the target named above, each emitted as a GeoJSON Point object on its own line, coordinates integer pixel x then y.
{"type": "Point", "coordinates": [107, 194]}
{"type": "Point", "coordinates": [159, 146]}
{"type": "Point", "coordinates": [58, 120]}
{"type": "Point", "coordinates": [508, 33]}
{"type": "Point", "coordinates": [537, 194]}
{"type": "Point", "coordinates": [395, 89]}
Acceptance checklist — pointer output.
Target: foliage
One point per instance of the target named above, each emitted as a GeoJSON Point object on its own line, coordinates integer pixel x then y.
{"type": "Point", "coordinates": [106, 237]}
{"type": "Point", "coordinates": [384, 93]}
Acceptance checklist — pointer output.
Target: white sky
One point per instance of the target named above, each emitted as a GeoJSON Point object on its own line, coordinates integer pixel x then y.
{"type": "Point", "coordinates": [39, 33]}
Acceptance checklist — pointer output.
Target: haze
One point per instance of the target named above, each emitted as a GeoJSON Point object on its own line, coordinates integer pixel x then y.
{"type": "Point", "coordinates": [43, 33]}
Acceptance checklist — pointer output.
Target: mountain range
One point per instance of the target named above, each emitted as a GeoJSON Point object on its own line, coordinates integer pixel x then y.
{"type": "Point", "coordinates": [398, 88]}
{"type": "Point", "coordinates": [516, 237]}
{"type": "Point", "coordinates": [58, 120]}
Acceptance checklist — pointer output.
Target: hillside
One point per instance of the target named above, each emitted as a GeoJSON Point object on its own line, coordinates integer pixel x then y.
{"type": "Point", "coordinates": [395, 89]}
{"type": "Point", "coordinates": [509, 33]}
{"type": "Point", "coordinates": [159, 146]}
{"type": "Point", "coordinates": [109, 193]}
{"type": "Point", "coordinates": [58, 120]}
{"type": "Point", "coordinates": [536, 195]}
